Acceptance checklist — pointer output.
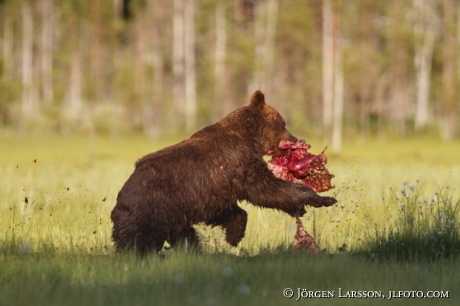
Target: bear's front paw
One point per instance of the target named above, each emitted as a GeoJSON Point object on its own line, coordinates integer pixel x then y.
{"type": "Point", "coordinates": [299, 212]}
{"type": "Point", "coordinates": [328, 201]}
{"type": "Point", "coordinates": [322, 201]}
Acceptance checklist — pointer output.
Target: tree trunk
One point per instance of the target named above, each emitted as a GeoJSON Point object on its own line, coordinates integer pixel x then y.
{"type": "Point", "coordinates": [158, 67]}
{"type": "Point", "coordinates": [399, 107]}
{"type": "Point", "coordinates": [449, 79]}
{"type": "Point", "coordinates": [382, 87]}
{"type": "Point", "coordinates": [219, 62]}
{"type": "Point", "coordinates": [367, 71]}
{"type": "Point", "coordinates": [75, 85]}
{"type": "Point", "coordinates": [259, 33]}
{"type": "Point", "coordinates": [265, 31]}
{"type": "Point", "coordinates": [97, 82]}
{"type": "Point", "coordinates": [178, 60]}
{"type": "Point", "coordinates": [149, 53]}
{"type": "Point", "coordinates": [425, 31]}
{"type": "Point", "coordinates": [7, 49]}
{"type": "Point", "coordinates": [28, 106]}
{"type": "Point", "coordinates": [269, 50]}
{"type": "Point", "coordinates": [190, 68]}
{"type": "Point", "coordinates": [139, 85]}
{"type": "Point", "coordinates": [338, 93]}
{"type": "Point", "coordinates": [46, 63]}
{"type": "Point", "coordinates": [75, 74]}
{"type": "Point", "coordinates": [328, 65]}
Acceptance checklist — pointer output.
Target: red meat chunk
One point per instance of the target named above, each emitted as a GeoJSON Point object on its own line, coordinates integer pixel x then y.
{"type": "Point", "coordinates": [293, 162]}
{"type": "Point", "coordinates": [303, 240]}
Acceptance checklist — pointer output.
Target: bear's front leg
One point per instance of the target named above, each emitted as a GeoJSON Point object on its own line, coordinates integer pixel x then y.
{"type": "Point", "coordinates": [235, 226]}
{"type": "Point", "coordinates": [266, 190]}
{"type": "Point", "coordinates": [234, 223]}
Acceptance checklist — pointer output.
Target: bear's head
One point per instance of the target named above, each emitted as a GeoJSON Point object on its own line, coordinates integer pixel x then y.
{"type": "Point", "coordinates": [272, 125]}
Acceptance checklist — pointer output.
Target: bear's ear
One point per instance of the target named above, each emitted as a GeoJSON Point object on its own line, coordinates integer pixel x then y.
{"type": "Point", "coordinates": [257, 99]}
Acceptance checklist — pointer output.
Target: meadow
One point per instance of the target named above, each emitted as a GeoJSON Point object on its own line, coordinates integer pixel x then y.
{"type": "Point", "coordinates": [56, 194]}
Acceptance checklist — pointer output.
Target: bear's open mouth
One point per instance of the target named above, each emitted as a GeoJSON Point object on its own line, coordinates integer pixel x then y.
{"type": "Point", "coordinates": [292, 162]}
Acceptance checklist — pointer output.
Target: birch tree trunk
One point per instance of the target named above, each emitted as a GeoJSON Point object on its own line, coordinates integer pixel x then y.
{"type": "Point", "coordinates": [158, 66]}
{"type": "Point", "coordinates": [75, 73]}
{"type": "Point", "coordinates": [265, 31]}
{"type": "Point", "coordinates": [425, 32]}
{"type": "Point", "coordinates": [139, 72]}
{"type": "Point", "coordinates": [269, 50]}
{"type": "Point", "coordinates": [259, 34]}
{"type": "Point", "coordinates": [7, 49]}
{"type": "Point", "coordinates": [75, 85]}
{"type": "Point", "coordinates": [367, 68]}
{"type": "Point", "coordinates": [190, 67]}
{"type": "Point", "coordinates": [149, 53]}
{"type": "Point", "coordinates": [399, 107]}
{"type": "Point", "coordinates": [28, 106]}
{"type": "Point", "coordinates": [449, 78]}
{"type": "Point", "coordinates": [338, 93]}
{"type": "Point", "coordinates": [328, 65]}
{"type": "Point", "coordinates": [97, 82]}
{"type": "Point", "coordinates": [178, 59]}
{"type": "Point", "coordinates": [46, 63]}
{"type": "Point", "coordinates": [219, 105]}
{"type": "Point", "coordinates": [6, 40]}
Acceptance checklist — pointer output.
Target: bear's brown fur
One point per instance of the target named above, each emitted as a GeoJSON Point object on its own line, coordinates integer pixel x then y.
{"type": "Point", "coordinates": [201, 180]}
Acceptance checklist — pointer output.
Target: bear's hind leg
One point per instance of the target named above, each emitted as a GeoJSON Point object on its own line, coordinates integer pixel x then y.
{"type": "Point", "coordinates": [147, 243]}
{"type": "Point", "coordinates": [187, 237]}
{"type": "Point", "coordinates": [142, 241]}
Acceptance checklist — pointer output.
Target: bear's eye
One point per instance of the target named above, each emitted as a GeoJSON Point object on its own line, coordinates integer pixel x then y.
{"type": "Point", "coordinates": [282, 123]}
{"type": "Point", "coordinates": [278, 117]}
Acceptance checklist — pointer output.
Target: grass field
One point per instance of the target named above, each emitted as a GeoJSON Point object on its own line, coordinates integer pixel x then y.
{"type": "Point", "coordinates": [56, 195]}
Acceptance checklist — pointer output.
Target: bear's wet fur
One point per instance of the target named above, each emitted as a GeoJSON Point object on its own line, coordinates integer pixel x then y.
{"type": "Point", "coordinates": [201, 180]}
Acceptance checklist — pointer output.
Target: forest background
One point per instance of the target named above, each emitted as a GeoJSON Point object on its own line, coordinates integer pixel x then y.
{"type": "Point", "coordinates": [334, 68]}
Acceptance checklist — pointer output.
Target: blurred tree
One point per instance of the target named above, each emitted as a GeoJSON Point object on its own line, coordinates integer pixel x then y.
{"type": "Point", "coordinates": [220, 55]}
{"type": "Point", "coordinates": [328, 65]}
{"type": "Point", "coordinates": [48, 26]}
{"type": "Point", "coordinates": [189, 66]}
{"type": "Point", "coordinates": [399, 104]}
{"type": "Point", "coordinates": [449, 76]}
{"type": "Point", "coordinates": [338, 94]}
{"type": "Point", "coordinates": [426, 24]}
{"type": "Point", "coordinates": [266, 15]}
{"type": "Point", "coordinates": [29, 103]}
{"type": "Point", "coordinates": [179, 58]}
{"type": "Point", "coordinates": [150, 66]}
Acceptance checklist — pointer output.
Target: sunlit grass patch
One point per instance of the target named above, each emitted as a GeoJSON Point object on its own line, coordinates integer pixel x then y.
{"type": "Point", "coordinates": [71, 185]}
{"type": "Point", "coordinates": [56, 249]}
{"type": "Point", "coordinates": [417, 228]}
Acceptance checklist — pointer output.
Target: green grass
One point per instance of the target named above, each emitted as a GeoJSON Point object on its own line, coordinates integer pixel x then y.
{"type": "Point", "coordinates": [55, 248]}
{"type": "Point", "coordinates": [191, 279]}
{"type": "Point", "coordinates": [422, 230]}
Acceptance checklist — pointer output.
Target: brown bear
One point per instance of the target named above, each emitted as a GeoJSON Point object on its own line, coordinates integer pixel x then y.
{"type": "Point", "coordinates": [201, 180]}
